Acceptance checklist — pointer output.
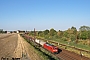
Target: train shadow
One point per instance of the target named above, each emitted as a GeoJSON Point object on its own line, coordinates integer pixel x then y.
{"type": "Point", "coordinates": [59, 51]}
{"type": "Point", "coordinates": [44, 53]}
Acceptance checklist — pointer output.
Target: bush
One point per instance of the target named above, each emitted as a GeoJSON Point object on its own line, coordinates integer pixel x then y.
{"type": "Point", "coordinates": [64, 38]}
{"type": "Point", "coordinates": [46, 36]}
{"type": "Point", "coordinates": [72, 37]}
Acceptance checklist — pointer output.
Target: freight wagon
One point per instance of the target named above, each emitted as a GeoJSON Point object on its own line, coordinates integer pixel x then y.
{"type": "Point", "coordinates": [45, 45]}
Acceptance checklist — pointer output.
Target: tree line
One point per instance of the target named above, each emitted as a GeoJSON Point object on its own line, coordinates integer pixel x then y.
{"type": "Point", "coordinates": [1, 31]}
{"type": "Point", "coordinates": [71, 34]}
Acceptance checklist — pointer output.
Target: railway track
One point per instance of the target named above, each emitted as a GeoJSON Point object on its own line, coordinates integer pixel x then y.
{"type": "Point", "coordinates": [70, 55]}
{"type": "Point", "coordinates": [67, 55]}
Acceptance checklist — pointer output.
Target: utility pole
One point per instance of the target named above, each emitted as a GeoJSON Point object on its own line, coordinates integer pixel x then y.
{"type": "Point", "coordinates": [34, 35]}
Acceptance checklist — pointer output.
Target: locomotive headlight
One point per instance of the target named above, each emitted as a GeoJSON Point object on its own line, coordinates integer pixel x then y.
{"type": "Point", "coordinates": [54, 50]}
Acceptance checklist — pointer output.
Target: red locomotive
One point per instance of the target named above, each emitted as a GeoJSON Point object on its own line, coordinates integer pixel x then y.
{"type": "Point", "coordinates": [51, 48]}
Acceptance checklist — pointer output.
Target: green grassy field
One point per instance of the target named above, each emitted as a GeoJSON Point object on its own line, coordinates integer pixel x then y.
{"type": "Point", "coordinates": [79, 45]}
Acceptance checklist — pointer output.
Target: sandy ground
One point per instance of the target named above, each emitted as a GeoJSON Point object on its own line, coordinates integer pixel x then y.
{"type": "Point", "coordinates": [8, 45]}
{"type": "Point", "coordinates": [24, 51]}
{"type": "Point", "coordinates": [20, 51]}
{"type": "Point", "coordinates": [15, 46]}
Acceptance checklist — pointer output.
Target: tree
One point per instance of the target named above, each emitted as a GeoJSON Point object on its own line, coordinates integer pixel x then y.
{"type": "Point", "coordinates": [84, 28]}
{"type": "Point", "coordinates": [46, 32]}
{"type": "Point", "coordinates": [72, 37]}
{"type": "Point", "coordinates": [66, 34]}
{"type": "Point", "coordinates": [1, 30]}
{"type": "Point", "coordinates": [84, 32]}
{"type": "Point", "coordinates": [52, 32]}
{"type": "Point", "coordinates": [84, 35]}
{"type": "Point", "coordinates": [71, 34]}
{"type": "Point", "coordinates": [40, 33]}
{"type": "Point", "coordinates": [59, 33]}
{"type": "Point", "coordinates": [89, 36]}
{"type": "Point", "coordinates": [74, 30]}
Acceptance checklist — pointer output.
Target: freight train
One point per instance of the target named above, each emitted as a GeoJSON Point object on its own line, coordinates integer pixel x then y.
{"type": "Point", "coordinates": [45, 45]}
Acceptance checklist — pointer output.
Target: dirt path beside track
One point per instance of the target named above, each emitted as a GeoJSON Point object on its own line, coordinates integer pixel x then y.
{"type": "Point", "coordinates": [20, 51]}
{"type": "Point", "coordinates": [24, 51]}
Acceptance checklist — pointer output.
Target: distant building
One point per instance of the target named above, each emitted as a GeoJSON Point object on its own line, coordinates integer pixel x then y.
{"type": "Point", "coordinates": [17, 31]}
{"type": "Point", "coordinates": [8, 32]}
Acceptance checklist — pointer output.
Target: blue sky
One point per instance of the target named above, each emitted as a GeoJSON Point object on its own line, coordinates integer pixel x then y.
{"type": "Point", "coordinates": [44, 14]}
